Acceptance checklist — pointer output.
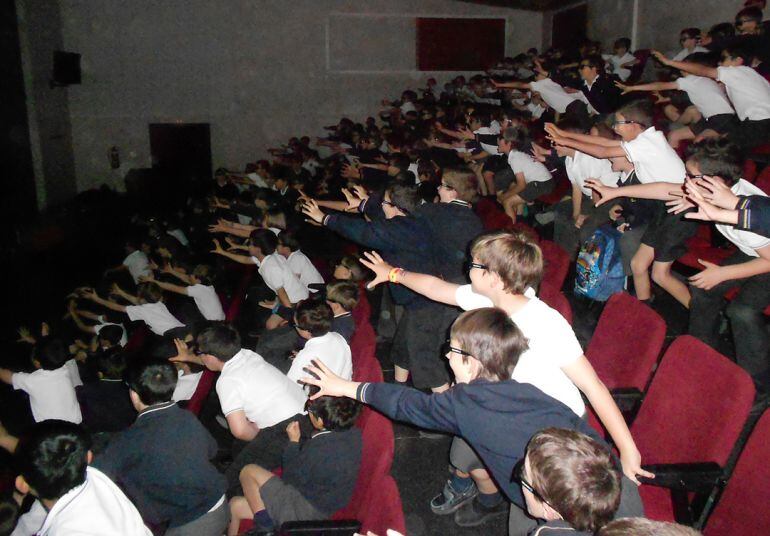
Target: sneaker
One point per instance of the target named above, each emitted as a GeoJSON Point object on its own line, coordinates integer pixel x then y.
{"type": "Point", "coordinates": [544, 218]}
{"type": "Point", "coordinates": [474, 513]}
{"type": "Point", "coordinates": [449, 500]}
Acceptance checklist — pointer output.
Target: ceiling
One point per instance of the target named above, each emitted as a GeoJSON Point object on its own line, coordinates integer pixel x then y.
{"type": "Point", "coordinates": [533, 5]}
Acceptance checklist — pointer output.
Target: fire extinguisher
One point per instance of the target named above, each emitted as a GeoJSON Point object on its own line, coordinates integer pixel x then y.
{"type": "Point", "coordinates": [114, 158]}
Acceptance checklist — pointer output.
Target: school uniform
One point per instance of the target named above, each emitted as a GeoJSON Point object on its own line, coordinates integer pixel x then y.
{"type": "Point", "coordinates": [554, 94]}
{"type": "Point", "coordinates": [156, 315]}
{"type": "Point", "coordinates": [276, 273]}
{"type": "Point", "coordinates": [617, 63]}
{"type": "Point", "coordinates": [345, 325]}
{"type": "Point", "coordinates": [754, 214]}
{"type": "Point", "coordinates": [637, 213]}
{"type": "Point", "coordinates": [602, 93]}
{"type": "Point", "coordinates": [170, 485]}
{"type": "Point", "coordinates": [318, 478]}
{"type": "Point", "coordinates": [138, 265]}
{"type": "Point", "coordinates": [711, 101]}
{"type": "Point", "coordinates": [94, 508]}
{"type": "Point", "coordinates": [186, 385]}
{"type": "Point", "coordinates": [331, 348]}
{"type": "Point", "coordinates": [656, 161]}
{"type": "Point", "coordinates": [538, 178]}
{"type": "Point", "coordinates": [305, 271]}
{"type": "Point", "coordinates": [750, 95]}
{"type": "Point", "coordinates": [746, 310]}
{"type": "Point", "coordinates": [682, 54]}
{"type": "Point", "coordinates": [51, 394]}
{"type": "Point", "coordinates": [207, 301]}
{"type": "Point", "coordinates": [105, 405]}
{"type": "Point", "coordinates": [268, 399]}
{"type": "Point", "coordinates": [581, 167]}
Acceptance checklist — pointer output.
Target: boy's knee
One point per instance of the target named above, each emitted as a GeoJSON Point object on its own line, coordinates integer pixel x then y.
{"type": "Point", "coordinates": [741, 313]}
{"type": "Point", "coordinates": [639, 266]}
{"type": "Point", "coordinates": [660, 274]}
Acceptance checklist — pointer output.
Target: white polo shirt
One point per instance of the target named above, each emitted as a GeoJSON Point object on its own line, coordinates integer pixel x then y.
{"type": "Point", "coordinates": [748, 91]}
{"type": "Point", "coordinates": [51, 393]}
{"type": "Point", "coordinates": [533, 170]}
{"type": "Point", "coordinates": [276, 273]}
{"type": "Point", "coordinates": [706, 94]}
{"type": "Point", "coordinates": [488, 131]}
{"type": "Point", "coordinates": [156, 315]}
{"type": "Point", "coordinates": [138, 265]}
{"type": "Point", "coordinates": [653, 158]}
{"type": "Point", "coordinates": [746, 241]}
{"type": "Point", "coordinates": [102, 323]}
{"type": "Point", "coordinates": [95, 508]}
{"type": "Point", "coordinates": [207, 301]}
{"type": "Point", "coordinates": [682, 54]}
{"type": "Point", "coordinates": [552, 346]}
{"type": "Point", "coordinates": [261, 391]}
{"type": "Point", "coordinates": [553, 94]}
{"type": "Point", "coordinates": [616, 62]}
{"type": "Point", "coordinates": [304, 270]}
{"type": "Point", "coordinates": [331, 348]}
{"type": "Point", "coordinates": [30, 523]}
{"type": "Point", "coordinates": [583, 166]}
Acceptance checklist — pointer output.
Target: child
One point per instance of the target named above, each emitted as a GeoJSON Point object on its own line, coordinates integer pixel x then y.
{"type": "Point", "coordinates": [257, 400]}
{"type": "Point", "coordinates": [689, 38]}
{"type": "Point", "coordinates": [531, 178]}
{"type": "Point", "coordinates": [505, 268]}
{"type": "Point", "coordinates": [622, 61]}
{"type": "Point", "coordinates": [53, 466]}
{"type": "Point", "coordinates": [275, 272]}
{"type": "Point", "coordinates": [136, 261]}
{"type": "Point", "coordinates": [597, 86]}
{"type": "Point", "coordinates": [349, 269]}
{"type": "Point", "coordinates": [569, 480]}
{"type": "Point", "coordinates": [300, 265]}
{"type": "Point", "coordinates": [171, 486]}
{"type": "Point", "coordinates": [312, 320]}
{"type": "Point", "coordinates": [104, 403]}
{"type": "Point", "coordinates": [654, 161]}
{"type": "Point", "coordinates": [108, 334]}
{"type": "Point", "coordinates": [640, 526]}
{"type": "Point", "coordinates": [749, 92]}
{"type": "Point", "coordinates": [342, 297]}
{"type": "Point", "coordinates": [496, 415]}
{"type": "Point", "coordinates": [200, 288]}
{"type": "Point", "coordinates": [147, 306]}
{"type": "Point", "coordinates": [51, 388]}
{"type": "Point", "coordinates": [717, 114]}
{"type": "Point", "coordinates": [318, 476]}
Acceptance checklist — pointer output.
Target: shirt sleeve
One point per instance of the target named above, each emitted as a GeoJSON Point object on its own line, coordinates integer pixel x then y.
{"type": "Point", "coordinates": [273, 277]}
{"type": "Point", "coordinates": [301, 360]}
{"type": "Point", "coordinates": [230, 396]}
{"type": "Point", "coordinates": [134, 312]}
{"type": "Point", "coordinates": [196, 291]}
{"type": "Point", "coordinates": [434, 411]}
{"type": "Point", "coordinates": [468, 300]}
{"type": "Point", "coordinates": [20, 380]}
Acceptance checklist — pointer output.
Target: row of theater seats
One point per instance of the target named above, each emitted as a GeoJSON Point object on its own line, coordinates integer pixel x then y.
{"type": "Point", "coordinates": [689, 415]}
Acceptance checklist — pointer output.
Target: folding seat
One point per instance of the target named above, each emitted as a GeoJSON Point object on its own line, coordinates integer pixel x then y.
{"type": "Point", "coordinates": [763, 180]}
{"type": "Point", "coordinates": [742, 508]}
{"type": "Point", "coordinates": [699, 247]}
{"type": "Point", "coordinates": [383, 509]}
{"type": "Point", "coordinates": [688, 424]}
{"type": "Point", "coordinates": [206, 382]}
{"type": "Point", "coordinates": [363, 310]}
{"type": "Point", "coordinates": [625, 347]}
{"type": "Point", "coordinates": [641, 55]}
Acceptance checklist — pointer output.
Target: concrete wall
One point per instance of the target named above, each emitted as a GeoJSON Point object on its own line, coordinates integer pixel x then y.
{"type": "Point", "coordinates": [40, 34]}
{"type": "Point", "coordinates": [255, 69]}
{"type": "Point", "coordinates": [660, 21]}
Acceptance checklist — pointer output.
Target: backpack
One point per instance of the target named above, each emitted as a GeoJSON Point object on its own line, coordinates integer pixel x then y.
{"type": "Point", "coordinates": [599, 266]}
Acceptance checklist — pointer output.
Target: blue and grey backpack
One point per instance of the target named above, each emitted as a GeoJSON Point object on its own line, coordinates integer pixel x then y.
{"type": "Point", "coordinates": [599, 265]}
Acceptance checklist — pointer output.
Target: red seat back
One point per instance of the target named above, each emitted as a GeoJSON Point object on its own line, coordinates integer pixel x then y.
{"type": "Point", "coordinates": [763, 180]}
{"type": "Point", "coordinates": [383, 510]}
{"type": "Point", "coordinates": [695, 407]}
{"type": "Point", "coordinates": [363, 310]}
{"type": "Point", "coordinates": [626, 343]}
{"type": "Point", "coordinates": [742, 508]}
{"type": "Point", "coordinates": [195, 404]}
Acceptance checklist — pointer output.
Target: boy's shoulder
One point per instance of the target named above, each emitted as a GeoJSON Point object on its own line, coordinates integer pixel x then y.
{"type": "Point", "coordinates": [555, 528]}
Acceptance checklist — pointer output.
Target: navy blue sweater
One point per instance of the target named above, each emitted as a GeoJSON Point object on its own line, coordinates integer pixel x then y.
{"type": "Point", "coordinates": [496, 418]}
{"type": "Point", "coordinates": [754, 214]}
{"type": "Point", "coordinates": [162, 463]}
{"type": "Point", "coordinates": [402, 241]}
{"type": "Point", "coordinates": [325, 468]}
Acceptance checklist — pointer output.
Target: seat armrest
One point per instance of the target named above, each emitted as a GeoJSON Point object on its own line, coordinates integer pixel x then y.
{"type": "Point", "coordinates": [327, 527]}
{"type": "Point", "coordinates": [694, 477]}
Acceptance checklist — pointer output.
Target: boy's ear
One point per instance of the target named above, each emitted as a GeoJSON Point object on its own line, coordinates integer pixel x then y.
{"type": "Point", "coordinates": [89, 457]}
{"type": "Point", "coordinates": [21, 485]}
{"type": "Point", "coordinates": [36, 363]}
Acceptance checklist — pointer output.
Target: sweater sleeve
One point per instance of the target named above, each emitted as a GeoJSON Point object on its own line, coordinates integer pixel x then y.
{"type": "Point", "coordinates": [377, 234]}
{"type": "Point", "coordinates": [754, 214]}
{"type": "Point", "coordinates": [435, 412]}
{"type": "Point", "coordinates": [290, 453]}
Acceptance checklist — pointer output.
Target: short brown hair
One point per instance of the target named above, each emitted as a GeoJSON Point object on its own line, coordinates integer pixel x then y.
{"type": "Point", "coordinates": [355, 267]}
{"type": "Point", "coordinates": [639, 111]}
{"type": "Point", "coordinates": [464, 182]}
{"type": "Point", "coordinates": [489, 335]}
{"type": "Point", "coordinates": [514, 257]}
{"type": "Point", "coordinates": [576, 476]}
{"type": "Point", "coordinates": [343, 292]}
{"type": "Point", "coordinates": [640, 526]}
{"type": "Point", "coordinates": [149, 292]}
{"type": "Point", "coordinates": [314, 316]}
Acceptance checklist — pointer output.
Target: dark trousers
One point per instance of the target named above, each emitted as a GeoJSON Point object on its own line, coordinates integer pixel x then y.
{"type": "Point", "coordinates": [746, 317]}
{"type": "Point", "coordinates": [569, 237]}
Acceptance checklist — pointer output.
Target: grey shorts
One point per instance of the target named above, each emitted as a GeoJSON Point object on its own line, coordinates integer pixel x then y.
{"type": "Point", "coordinates": [535, 189]}
{"type": "Point", "coordinates": [463, 457]}
{"type": "Point", "coordinates": [285, 503]}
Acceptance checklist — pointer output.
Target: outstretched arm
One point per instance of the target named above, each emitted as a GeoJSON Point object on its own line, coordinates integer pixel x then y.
{"type": "Point", "coordinates": [243, 259]}
{"type": "Point", "coordinates": [656, 190]}
{"type": "Point", "coordinates": [652, 86]}
{"type": "Point", "coordinates": [94, 297]}
{"type": "Point", "coordinates": [178, 289]}
{"type": "Point", "coordinates": [686, 66]}
{"type": "Point", "coordinates": [429, 286]}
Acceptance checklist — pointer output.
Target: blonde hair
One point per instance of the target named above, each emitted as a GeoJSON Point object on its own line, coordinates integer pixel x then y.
{"type": "Point", "coordinates": [514, 257]}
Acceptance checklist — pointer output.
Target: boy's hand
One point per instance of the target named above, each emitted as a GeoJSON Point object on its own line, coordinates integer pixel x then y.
{"type": "Point", "coordinates": [658, 55]}
{"type": "Point", "coordinates": [580, 220]}
{"type": "Point", "coordinates": [604, 191]}
{"type": "Point", "coordinates": [88, 293]}
{"type": "Point", "coordinates": [715, 191]}
{"type": "Point", "coordinates": [329, 383]}
{"type": "Point", "coordinates": [708, 278]}
{"type": "Point", "coordinates": [353, 200]}
{"type": "Point", "coordinates": [146, 278]}
{"type": "Point", "coordinates": [232, 243]}
{"type": "Point", "coordinates": [680, 204]}
{"type": "Point", "coordinates": [381, 269]}
{"type": "Point", "coordinates": [25, 336]}
{"type": "Point", "coordinates": [293, 431]}
{"type": "Point", "coordinates": [267, 304]}
{"type": "Point", "coordinates": [184, 354]}
{"type": "Point", "coordinates": [624, 87]}
{"type": "Point", "coordinates": [313, 211]}
{"type": "Point", "coordinates": [115, 289]}
{"type": "Point", "coordinates": [217, 247]}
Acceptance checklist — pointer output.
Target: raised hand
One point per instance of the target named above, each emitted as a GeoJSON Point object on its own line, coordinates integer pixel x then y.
{"type": "Point", "coordinates": [376, 264]}
{"type": "Point", "coordinates": [624, 87]}
{"type": "Point", "coordinates": [605, 192]}
{"type": "Point", "coordinates": [313, 211]}
{"type": "Point", "coordinates": [716, 192]}
{"type": "Point", "coordinates": [329, 383]}
{"type": "Point", "coordinates": [680, 204]}
{"type": "Point", "coordinates": [25, 335]}
{"type": "Point", "coordinates": [217, 247]}
{"type": "Point", "coordinates": [293, 431]}
{"type": "Point", "coordinates": [658, 55]}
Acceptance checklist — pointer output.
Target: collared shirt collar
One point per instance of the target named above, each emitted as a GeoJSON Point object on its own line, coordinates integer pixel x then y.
{"type": "Point", "coordinates": [460, 202]}
{"type": "Point", "coordinates": [156, 407]}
